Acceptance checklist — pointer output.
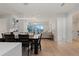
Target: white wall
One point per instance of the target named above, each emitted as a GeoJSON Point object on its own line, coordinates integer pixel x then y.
{"type": "Point", "coordinates": [69, 28]}
{"type": "Point", "coordinates": [75, 26]}
{"type": "Point", "coordinates": [24, 21]}
{"type": "Point", "coordinates": [3, 26]}
{"type": "Point", "coordinates": [61, 29]}
{"type": "Point", "coordinates": [48, 23]}
{"type": "Point", "coordinates": [53, 27]}
{"type": "Point", "coordinates": [64, 28]}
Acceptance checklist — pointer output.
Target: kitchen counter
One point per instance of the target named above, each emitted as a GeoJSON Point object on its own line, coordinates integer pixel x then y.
{"type": "Point", "coordinates": [10, 49]}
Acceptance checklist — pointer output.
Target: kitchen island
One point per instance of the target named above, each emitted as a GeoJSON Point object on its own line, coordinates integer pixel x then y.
{"type": "Point", "coordinates": [10, 49]}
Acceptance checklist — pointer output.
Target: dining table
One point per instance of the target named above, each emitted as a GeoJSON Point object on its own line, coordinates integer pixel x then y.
{"type": "Point", "coordinates": [32, 38]}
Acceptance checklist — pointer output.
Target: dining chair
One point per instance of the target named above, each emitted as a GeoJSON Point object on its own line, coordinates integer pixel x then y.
{"type": "Point", "coordinates": [2, 40]}
{"type": "Point", "coordinates": [24, 38]}
{"type": "Point", "coordinates": [9, 38]}
{"type": "Point", "coordinates": [38, 44]}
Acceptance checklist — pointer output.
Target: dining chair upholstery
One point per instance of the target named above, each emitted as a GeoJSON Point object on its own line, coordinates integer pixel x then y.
{"type": "Point", "coordinates": [9, 37]}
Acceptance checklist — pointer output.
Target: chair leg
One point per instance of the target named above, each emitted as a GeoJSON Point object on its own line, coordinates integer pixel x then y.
{"type": "Point", "coordinates": [28, 48]}
{"type": "Point", "coordinates": [31, 47]}
{"type": "Point", "coordinates": [28, 51]}
{"type": "Point", "coordinates": [40, 47]}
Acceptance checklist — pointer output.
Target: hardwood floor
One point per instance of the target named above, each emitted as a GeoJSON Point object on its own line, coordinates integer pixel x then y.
{"type": "Point", "coordinates": [51, 48]}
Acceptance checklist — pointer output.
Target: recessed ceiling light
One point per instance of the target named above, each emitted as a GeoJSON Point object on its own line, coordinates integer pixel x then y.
{"type": "Point", "coordinates": [26, 3]}
{"type": "Point", "coordinates": [62, 4]}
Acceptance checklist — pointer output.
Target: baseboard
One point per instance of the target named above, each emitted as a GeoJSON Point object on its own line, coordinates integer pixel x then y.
{"type": "Point", "coordinates": [47, 38]}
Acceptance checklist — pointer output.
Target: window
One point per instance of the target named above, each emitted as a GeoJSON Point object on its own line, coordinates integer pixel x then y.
{"type": "Point", "coordinates": [36, 27]}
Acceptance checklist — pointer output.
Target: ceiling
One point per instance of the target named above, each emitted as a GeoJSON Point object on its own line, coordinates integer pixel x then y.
{"type": "Point", "coordinates": [36, 9]}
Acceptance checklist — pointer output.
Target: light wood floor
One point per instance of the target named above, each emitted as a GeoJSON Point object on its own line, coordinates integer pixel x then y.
{"type": "Point", "coordinates": [51, 48]}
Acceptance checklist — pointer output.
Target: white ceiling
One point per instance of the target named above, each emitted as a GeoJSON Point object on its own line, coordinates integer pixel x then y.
{"type": "Point", "coordinates": [36, 9]}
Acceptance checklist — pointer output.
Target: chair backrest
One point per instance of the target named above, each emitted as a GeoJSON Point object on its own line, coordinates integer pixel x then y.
{"type": "Point", "coordinates": [23, 37]}
{"type": "Point", "coordinates": [9, 37]}
{"type": "Point", "coordinates": [2, 35]}
{"type": "Point", "coordinates": [40, 38]}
